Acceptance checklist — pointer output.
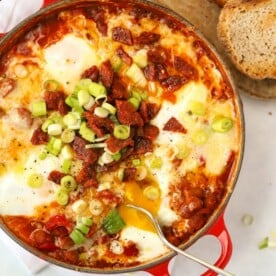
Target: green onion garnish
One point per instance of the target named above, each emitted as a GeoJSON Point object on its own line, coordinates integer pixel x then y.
{"type": "Point", "coordinates": [68, 135]}
{"type": "Point", "coordinates": [68, 183]}
{"type": "Point", "coordinates": [62, 196]}
{"type": "Point", "coordinates": [136, 162]}
{"type": "Point", "coordinates": [222, 124]}
{"type": "Point", "coordinates": [51, 85]}
{"type": "Point", "coordinates": [66, 165]}
{"type": "Point", "coordinates": [54, 146]}
{"type": "Point", "coordinates": [121, 131]}
{"type": "Point", "coordinates": [86, 133]}
{"type": "Point", "coordinates": [39, 108]}
{"type": "Point", "coordinates": [197, 108]}
{"type": "Point", "coordinates": [35, 180]}
{"type": "Point", "coordinates": [77, 237]}
{"type": "Point", "coordinates": [110, 108]}
{"type": "Point", "coordinates": [96, 89]}
{"type": "Point", "coordinates": [113, 222]}
{"type": "Point", "coordinates": [134, 101]}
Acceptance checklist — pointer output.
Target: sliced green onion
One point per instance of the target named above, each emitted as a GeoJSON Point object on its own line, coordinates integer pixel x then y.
{"type": "Point", "coordinates": [264, 243]}
{"type": "Point", "coordinates": [86, 133]}
{"type": "Point", "coordinates": [120, 174]}
{"type": "Point", "coordinates": [66, 165]}
{"type": "Point", "coordinates": [135, 73]}
{"type": "Point", "coordinates": [100, 98]}
{"type": "Point", "coordinates": [56, 118]}
{"type": "Point", "coordinates": [68, 135]}
{"type": "Point", "coordinates": [137, 93]}
{"type": "Point", "coordinates": [42, 155]}
{"type": "Point", "coordinates": [73, 102]}
{"type": "Point", "coordinates": [83, 84]}
{"type": "Point", "coordinates": [46, 124]}
{"type": "Point", "coordinates": [135, 102]}
{"type": "Point", "coordinates": [62, 196]}
{"type": "Point", "coordinates": [35, 180]}
{"type": "Point", "coordinates": [105, 158]}
{"type": "Point", "coordinates": [72, 120]}
{"type": "Point", "coordinates": [83, 97]}
{"type": "Point", "coordinates": [156, 163]}
{"type": "Point", "coordinates": [121, 131]}
{"type": "Point", "coordinates": [100, 139]}
{"type": "Point", "coordinates": [200, 137]}
{"type": "Point", "coordinates": [96, 146]}
{"type": "Point", "coordinates": [183, 152]}
{"type": "Point", "coordinates": [116, 63]}
{"type": "Point", "coordinates": [136, 162]}
{"type": "Point", "coordinates": [151, 192]}
{"type": "Point", "coordinates": [141, 58]}
{"type": "Point", "coordinates": [197, 108]}
{"type": "Point", "coordinates": [82, 228]}
{"type": "Point", "coordinates": [79, 206]}
{"type": "Point", "coordinates": [113, 222]}
{"type": "Point", "coordinates": [77, 237]}
{"type": "Point", "coordinates": [54, 129]}
{"type": "Point", "coordinates": [39, 108]}
{"type": "Point", "coordinates": [114, 119]}
{"type": "Point", "coordinates": [110, 108]}
{"type": "Point", "coordinates": [68, 183]}
{"type": "Point", "coordinates": [54, 146]}
{"type": "Point", "coordinates": [87, 221]}
{"type": "Point", "coordinates": [67, 152]}
{"type": "Point", "coordinates": [117, 156]}
{"type": "Point", "coordinates": [96, 89]}
{"type": "Point", "coordinates": [51, 85]}
{"type": "Point", "coordinates": [101, 112]}
{"type": "Point", "coordinates": [90, 103]}
{"type": "Point", "coordinates": [222, 124]}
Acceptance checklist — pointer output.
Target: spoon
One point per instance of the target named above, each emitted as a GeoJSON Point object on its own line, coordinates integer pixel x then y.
{"type": "Point", "coordinates": [176, 249]}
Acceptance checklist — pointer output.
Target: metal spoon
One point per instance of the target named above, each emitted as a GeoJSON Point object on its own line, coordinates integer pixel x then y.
{"type": "Point", "coordinates": [176, 249]}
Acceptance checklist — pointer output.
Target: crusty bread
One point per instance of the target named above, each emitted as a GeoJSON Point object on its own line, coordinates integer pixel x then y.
{"type": "Point", "coordinates": [247, 29]}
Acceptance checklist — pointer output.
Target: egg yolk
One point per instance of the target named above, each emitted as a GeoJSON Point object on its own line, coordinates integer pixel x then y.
{"type": "Point", "coordinates": [135, 195]}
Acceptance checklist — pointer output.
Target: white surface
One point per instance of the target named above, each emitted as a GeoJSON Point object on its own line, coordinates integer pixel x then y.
{"type": "Point", "coordinates": [254, 194]}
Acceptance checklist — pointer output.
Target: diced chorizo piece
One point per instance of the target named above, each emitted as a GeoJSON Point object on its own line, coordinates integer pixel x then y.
{"type": "Point", "coordinates": [118, 90]}
{"type": "Point", "coordinates": [147, 38]}
{"type": "Point", "coordinates": [70, 256]}
{"type": "Point", "coordinates": [174, 125]}
{"type": "Point", "coordinates": [122, 35]}
{"type": "Point", "coordinates": [64, 242]}
{"type": "Point", "coordinates": [114, 145]}
{"type": "Point", "coordinates": [93, 230]}
{"type": "Point", "coordinates": [91, 73]}
{"type": "Point", "coordinates": [55, 176]}
{"type": "Point", "coordinates": [158, 55]}
{"type": "Point", "coordinates": [190, 206]}
{"type": "Point", "coordinates": [42, 240]}
{"type": "Point", "coordinates": [169, 234]}
{"type": "Point", "coordinates": [173, 83]}
{"type": "Point", "coordinates": [185, 69]}
{"type": "Point", "coordinates": [124, 56]}
{"type": "Point", "coordinates": [57, 221]}
{"type": "Point", "coordinates": [100, 126]}
{"type": "Point", "coordinates": [196, 222]}
{"type": "Point", "coordinates": [52, 99]}
{"type": "Point", "coordinates": [155, 72]}
{"type": "Point", "coordinates": [98, 16]}
{"type": "Point", "coordinates": [129, 174]}
{"type": "Point", "coordinates": [127, 114]}
{"type": "Point", "coordinates": [87, 176]}
{"type": "Point", "coordinates": [7, 85]}
{"type": "Point", "coordinates": [60, 231]}
{"type": "Point", "coordinates": [39, 137]}
{"type": "Point", "coordinates": [148, 110]}
{"type": "Point", "coordinates": [63, 108]}
{"type": "Point", "coordinates": [106, 73]}
{"type": "Point", "coordinates": [26, 115]}
{"type": "Point", "coordinates": [131, 249]}
{"type": "Point", "coordinates": [87, 155]}
{"type": "Point", "coordinates": [109, 197]}
{"type": "Point", "coordinates": [142, 145]}
{"type": "Point", "coordinates": [139, 12]}
{"type": "Point", "coordinates": [150, 132]}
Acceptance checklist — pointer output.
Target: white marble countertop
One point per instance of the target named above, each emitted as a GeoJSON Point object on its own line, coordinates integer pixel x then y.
{"type": "Point", "coordinates": [254, 194]}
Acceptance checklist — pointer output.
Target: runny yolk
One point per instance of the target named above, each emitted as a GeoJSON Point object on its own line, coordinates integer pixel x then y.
{"type": "Point", "coordinates": [134, 195]}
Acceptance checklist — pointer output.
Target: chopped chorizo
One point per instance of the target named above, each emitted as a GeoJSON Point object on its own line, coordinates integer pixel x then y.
{"type": "Point", "coordinates": [158, 55]}
{"type": "Point", "coordinates": [185, 69]}
{"type": "Point", "coordinates": [118, 89]}
{"type": "Point", "coordinates": [124, 56]}
{"type": "Point", "coordinates": [115, 145]}
{"type": "Point", "coordinates": [87, 176]}
{"type": "Point", "coordinates": [191, 205]}
{"type": "Point", "coordinates": [56, 221]}
{"type": "Point", "coordinates": [106, 73]}
{"type": "Point", "coordinates": [63, 108]}
{"type": "Point", "coordinates": [91, 73]}
{"type": "Point", "coordinates": [174, 125]}
{"type": "Point", "coordinates": [143, 145]}
{"type": "Point", "coordinates": [82, 153]}
{"type": "Point", "coordinates": [109, 197]}
{"type": "Point", "coordinates": [129, 174]}
{"type": "Point", "coordinates": [127, 114]}
{"type": "Point", "coordinates": [39, 137]}
{"type": "Point", "coordinates": [148, 110]}
{"type": "Point", "coordinates": [150, 131]}
{"type": "Point", "coordinates": [7, 85]}
{"type": "Point", "coordinates": [71, 256]}
{"type": "Point", "coordinates": [52, 99]}
{"type": "Point", "coordinates": [64, 242]}
{"type": "Point", "coordinates": [155, 72]}
{"type": "Point", "coordinates": [55, 176]}
{"type": "Point", "coordinates": [42, 240]}
{"type": "Point", "coordinates": [98, 16]}
{"type": "Point", "coordinates": [147, 38]}
{"type": "Point", "coordinates": [122, 35]}
{"type": "Point", "coordinates": [60, 231]}
{"type": "Point", "coordinates": [173, 83]}
{"type": "Point", "coordinates": [131, 249]}
{"type": "Point", "coordinates": [26, 115]}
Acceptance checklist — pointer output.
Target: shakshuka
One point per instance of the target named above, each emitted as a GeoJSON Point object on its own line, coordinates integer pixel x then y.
{"type": "Point", "coordinates": [107, 105]}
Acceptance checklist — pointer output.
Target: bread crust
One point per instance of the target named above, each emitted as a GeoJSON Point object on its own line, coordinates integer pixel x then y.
{"type": "Point", "coordinates": [245, 29]}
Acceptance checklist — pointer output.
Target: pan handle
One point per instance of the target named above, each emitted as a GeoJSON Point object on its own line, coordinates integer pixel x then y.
{"type": "Point", "coordinates": [218, 230]}
{"type": "Point", "coordinates": [45, 3]}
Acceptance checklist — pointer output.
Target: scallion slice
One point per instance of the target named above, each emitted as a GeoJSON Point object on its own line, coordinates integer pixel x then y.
{"type": "Point", "coordinates": [62, 196]}
{"type": "Point", "coordinates": [46, 124]}
{"type": "Point", "coordinates": [96, 89]}
{"type": "Point", "coordinates": [86, 133]}
{"type": "Point", "coordinates": [66, 165]}
{"type": "Point", "coordinates": [35, 180]}
{"type": "Point", "coordinates": [82, 228]}
{"type": "Point", "coordinates": [68, 183]}
{"type": "Point", "coordinates": [121, 131]}
{"type": "Point", "coordinates": [135, 102]}
{"type": "Point", "coordinates": [54, 129]}
{"type": "Point", "coordinates": [96, 146]}
{"type": "Point", "coordinates": [77, 237]}
{"type": "Point", "coordinates": [51, 85]}
{"type": "Point", "coordinates": [72, 120]}
{"type": "Point", "coordinates": [54, 146]}
{"type": "Point", "coordinates": [68, 136]}
{"type": "Point", "coordinates": [101, 112]}
{"type": "Point", "coordinates": [39, 108]}
{"type": "Point", "coordinates": [222, 124]}
{"type": "Point", "coordinates": [110, 108]}
{"type": "Point", "coordinates": [113, 222]}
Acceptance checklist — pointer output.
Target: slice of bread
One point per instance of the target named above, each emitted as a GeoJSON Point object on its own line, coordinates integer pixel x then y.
{"type": "Point", "coordinates": [247, 29]}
